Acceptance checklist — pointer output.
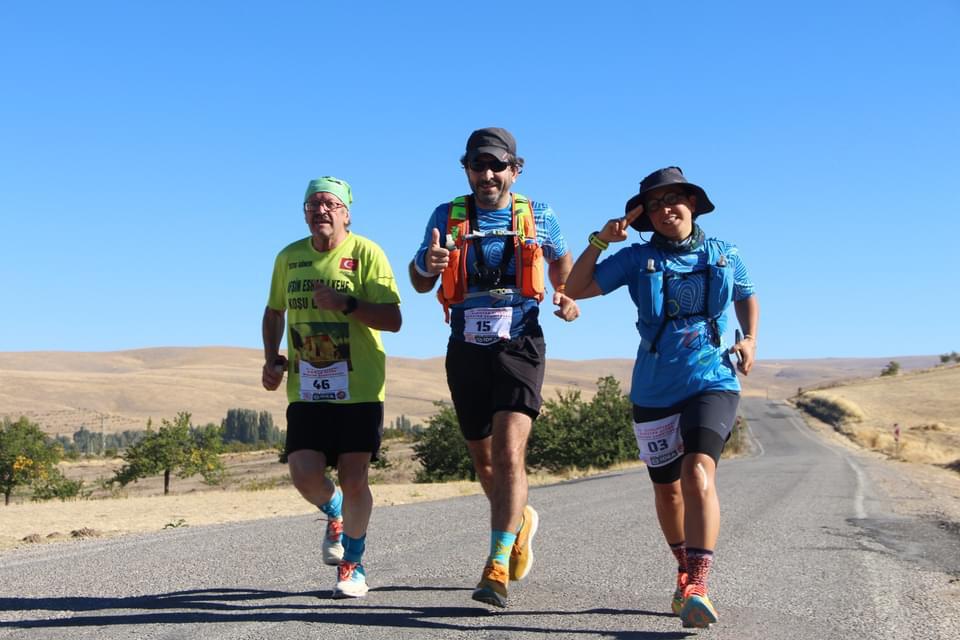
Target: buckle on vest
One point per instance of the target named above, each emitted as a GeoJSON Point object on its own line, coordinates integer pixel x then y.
{"type": "Point", "coordinates": [486, 277]}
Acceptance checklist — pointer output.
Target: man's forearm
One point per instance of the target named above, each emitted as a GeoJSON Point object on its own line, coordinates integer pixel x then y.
{"type": "Point", "coordinates": [272, 329]}
{"type": "Point", "coordinates": [420, 282]}
{"type": "Point", "coordinates": [559, 270]}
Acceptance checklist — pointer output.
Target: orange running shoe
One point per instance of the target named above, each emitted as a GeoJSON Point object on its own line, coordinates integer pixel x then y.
{"type": "Point", "coordinates": [521, 556]}
{"type": "Point", "coordinates": [492, 588]}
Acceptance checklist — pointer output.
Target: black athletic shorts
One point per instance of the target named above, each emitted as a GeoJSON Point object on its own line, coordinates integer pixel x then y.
{"type": "Point", "coordinates": [332, 428]}
{"type": "Point", "coordinates": [505, 376]}
{"type": "Point", "coordinates": [706, 421]}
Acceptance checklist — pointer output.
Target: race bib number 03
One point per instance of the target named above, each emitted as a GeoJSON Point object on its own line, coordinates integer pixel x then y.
{"type": "Point", "coordinates": [486, 325]}
{"type": "Point", "coordinates": [659, 440]}
{"type": "Point", "coordinates": [324, 383]}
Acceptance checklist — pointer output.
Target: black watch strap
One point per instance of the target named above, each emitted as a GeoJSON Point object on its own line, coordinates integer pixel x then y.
{"type": "Point", "coordinates": [351, 305]}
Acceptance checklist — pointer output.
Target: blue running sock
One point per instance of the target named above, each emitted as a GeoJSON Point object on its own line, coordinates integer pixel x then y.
{"type": "Point", "coordinates": [501, 542]}
{"type": "Point", "coordinates": [353, 548]}
{"type": "Point", "coordinates": [332, 508]}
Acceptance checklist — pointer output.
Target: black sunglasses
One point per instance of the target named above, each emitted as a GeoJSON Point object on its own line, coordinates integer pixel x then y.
{"type": "Point", "coordinates": [482, 165]}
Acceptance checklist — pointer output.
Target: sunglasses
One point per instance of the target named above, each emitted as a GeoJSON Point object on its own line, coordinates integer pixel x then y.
{"type": "Point", "coordinates": [668, 200]}
{"type": "Point", "coordinates": [481, 166]}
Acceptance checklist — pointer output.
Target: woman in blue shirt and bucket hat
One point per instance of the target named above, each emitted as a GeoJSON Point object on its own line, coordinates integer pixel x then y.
{"type": "Point", "coordinates": [685, 390]}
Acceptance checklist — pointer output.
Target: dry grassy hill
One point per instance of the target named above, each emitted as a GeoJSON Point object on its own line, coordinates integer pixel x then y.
{"type": "Point", "coordinates": [925, 404]}
{"type": "Point", "coordinates": [113, 391]}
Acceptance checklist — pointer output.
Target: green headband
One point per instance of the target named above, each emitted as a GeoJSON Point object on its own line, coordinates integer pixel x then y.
{"type": "Point", "coordinates": [329, 184]}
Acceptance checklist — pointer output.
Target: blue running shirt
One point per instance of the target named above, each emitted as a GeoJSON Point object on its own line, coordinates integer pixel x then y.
{"type": "Point", "coordinates": [687, 361]}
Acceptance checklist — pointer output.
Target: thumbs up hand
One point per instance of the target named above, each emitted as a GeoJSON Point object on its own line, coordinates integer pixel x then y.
{"type": "Point", "coordinates": [437, 257]}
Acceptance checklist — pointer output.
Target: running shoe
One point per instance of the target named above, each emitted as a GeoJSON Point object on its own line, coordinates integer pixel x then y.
{"type": "Point", "coordinates": [677, 603]}
{"type": "Point", "coordinates": [697, 610]}
{"type": "Point", "coordinates": [332, 546]}
{"type": "Point", "coordinates": [521, 556]}
{"type": "Point", "coordinates": [351, 581]}
{"type": "Point", "coordinates": [492, 588]}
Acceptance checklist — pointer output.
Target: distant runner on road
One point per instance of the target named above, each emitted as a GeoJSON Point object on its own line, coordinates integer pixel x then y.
{"type": "Point", "coordinates": [338, 292]}
{"type": "Point", "coordinates": [685, 390]}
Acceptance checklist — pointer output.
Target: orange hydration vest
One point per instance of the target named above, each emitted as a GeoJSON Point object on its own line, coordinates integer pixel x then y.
{"type": "Point", "coordinates": [528, 252]}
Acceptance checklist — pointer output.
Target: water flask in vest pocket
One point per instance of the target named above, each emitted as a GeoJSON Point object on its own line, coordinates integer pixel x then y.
{"type": "Point", "coordinates": [450, 274]}
{"type": "Point", "coordinates": [531, 268]}
{"type": "Point", "coordinates": [720, 287]}
{"type": "Point", "coordinates": [650, 294]}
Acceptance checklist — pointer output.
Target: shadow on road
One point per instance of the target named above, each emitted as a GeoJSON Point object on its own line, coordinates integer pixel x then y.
{"type": "Point", "coordinates": [203, 606]}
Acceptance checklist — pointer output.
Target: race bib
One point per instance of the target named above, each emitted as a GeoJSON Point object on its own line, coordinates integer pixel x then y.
{"type": "Point", "coordinates": [324, 383]}
{"type": "Point", "coordinates": [659, 440]}
{"type": "Point", "coordinates": [486, 325]}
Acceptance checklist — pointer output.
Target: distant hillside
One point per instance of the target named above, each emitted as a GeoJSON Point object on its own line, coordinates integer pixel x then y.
{"type": "Point", "coordinates": [925, 404]}
{"type": "Point", "coordinates": [113, 391]}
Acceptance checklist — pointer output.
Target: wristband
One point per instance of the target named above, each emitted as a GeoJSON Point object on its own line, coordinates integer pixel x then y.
{"type": "Point", "coordinates": [562, 288]}
{"type": "Point", "coordinates": [597, 242]}
{"type": "Point", "coordinates": [351, 305]}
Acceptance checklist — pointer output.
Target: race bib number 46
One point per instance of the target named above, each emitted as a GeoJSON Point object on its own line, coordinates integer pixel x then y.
{"type": "Point", "coordinates": [486, 325]}
{"type": "Point", "coordinates": [324, 383]}
{"type": "Point", "coordinates": [659, 440]}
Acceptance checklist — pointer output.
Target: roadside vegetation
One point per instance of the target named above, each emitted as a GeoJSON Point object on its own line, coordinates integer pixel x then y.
{"type": "Point", "coordinates": [572, 437]}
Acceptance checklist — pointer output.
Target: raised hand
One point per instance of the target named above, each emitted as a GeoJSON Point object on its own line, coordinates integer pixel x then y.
{"type": "Point", "coordinates": [615, 230]}
{"type": "Point", "coordinates": [437, 257]}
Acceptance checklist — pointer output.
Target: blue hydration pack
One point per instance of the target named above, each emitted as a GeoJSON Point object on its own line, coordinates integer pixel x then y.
{"type": "Point", "coordinates": [653, 317]}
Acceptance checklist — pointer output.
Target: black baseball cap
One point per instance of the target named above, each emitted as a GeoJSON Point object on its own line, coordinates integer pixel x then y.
{"type": "Point", "coordinates": [494, 141]}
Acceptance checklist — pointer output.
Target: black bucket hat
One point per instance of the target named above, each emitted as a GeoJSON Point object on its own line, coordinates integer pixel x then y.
{"type": "Point", "coordinates": [664, 178]}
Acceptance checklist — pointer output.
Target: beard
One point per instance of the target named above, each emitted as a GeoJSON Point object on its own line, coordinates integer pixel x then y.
{"type": "Point", "coordinates": [486, 197]}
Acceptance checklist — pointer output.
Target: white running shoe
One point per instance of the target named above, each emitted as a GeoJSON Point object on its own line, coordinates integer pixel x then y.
{"type": "Point", "coordinates": [351, 581]}
{"type": "Point", "coordinates": [332, 542]}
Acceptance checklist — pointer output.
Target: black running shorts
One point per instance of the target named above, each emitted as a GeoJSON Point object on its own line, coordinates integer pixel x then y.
{"type": "Point", "coordinates": [506, 376]}
{"type": "Point", "coordinates": [706, 421]}
{"type": "Point", "coordinates": [333, 428]}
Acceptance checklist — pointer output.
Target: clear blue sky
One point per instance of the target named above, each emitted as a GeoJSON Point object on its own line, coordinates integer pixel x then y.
{"type": "Point", "coordinates": [153, 156]}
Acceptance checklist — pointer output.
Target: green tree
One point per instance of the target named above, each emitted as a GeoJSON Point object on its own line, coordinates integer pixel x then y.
{"type": "Point", "coordinates": [574, 433]}
{"type": "Point", "coordinates": [892, 369]}
{"type": "Point", "coordinates": [175, 448]}
{"type": "Point", "coordinates": [27, 455]}
{"type": "Point", "coordinates": [441, 449]}
{"type": "Point", "coordinates": [88, 442]}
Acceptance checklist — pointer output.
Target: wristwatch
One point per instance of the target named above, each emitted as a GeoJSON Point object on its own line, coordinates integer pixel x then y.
{"type": "Point", "coordinates": [351, 305]}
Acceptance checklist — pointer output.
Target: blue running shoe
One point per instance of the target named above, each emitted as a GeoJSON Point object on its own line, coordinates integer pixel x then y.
{"type": "Point", "coordinates": [697, 610]}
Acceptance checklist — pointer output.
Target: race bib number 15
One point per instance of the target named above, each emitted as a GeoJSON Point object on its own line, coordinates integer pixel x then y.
{"type": "Point", "coordinates": [486, 325]}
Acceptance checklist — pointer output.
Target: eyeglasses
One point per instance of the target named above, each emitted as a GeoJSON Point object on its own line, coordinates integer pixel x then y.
{"type": "Point", "coordinates": [668, 200]}
{"type": "Point", "coordinates": [327, 205]}
{"type": "Point", "coordinates": [481, 166]}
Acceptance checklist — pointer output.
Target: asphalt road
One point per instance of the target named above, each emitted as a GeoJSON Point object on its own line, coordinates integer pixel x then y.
{"type": "Point", "coordinates": [809, 549]}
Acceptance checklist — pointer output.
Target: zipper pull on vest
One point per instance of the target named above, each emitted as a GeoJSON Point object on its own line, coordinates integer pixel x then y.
{"type": "Point", "coordinates": [650, 267]}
